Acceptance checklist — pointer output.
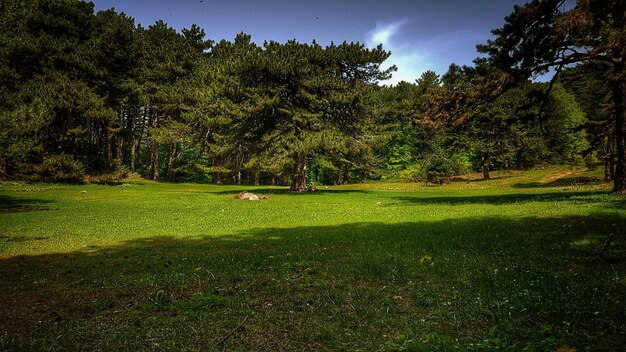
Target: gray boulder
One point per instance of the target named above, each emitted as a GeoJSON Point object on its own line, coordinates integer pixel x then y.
{"type": "Point", "coordinates": [247, 196]}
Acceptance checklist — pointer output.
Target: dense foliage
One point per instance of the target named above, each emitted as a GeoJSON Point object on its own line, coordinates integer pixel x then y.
{"type": "Point", "coordinates": [545, 34]}
{"type": "Point", "coordinates": [94, 96]}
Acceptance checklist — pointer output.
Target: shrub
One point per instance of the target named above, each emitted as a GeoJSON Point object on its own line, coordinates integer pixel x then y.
{"type": "Point", "coordinates": [115, 172]}
{"type": "Point", "coordinates": [60, 168]}
{"type": "Point", "coordinates": [413, 173]}
{"type": "Point", "coordinates": [437, 168]}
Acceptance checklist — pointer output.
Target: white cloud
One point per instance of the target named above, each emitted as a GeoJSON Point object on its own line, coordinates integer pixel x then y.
{"type": "Point", "coordinates": [410, 62]}
{"type": "Point", "coordinates": [383, 33]}
{"type": "Point", "coordinates": [410, 67]}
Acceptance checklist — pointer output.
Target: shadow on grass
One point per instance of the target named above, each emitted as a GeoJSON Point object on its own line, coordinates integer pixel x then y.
{"type": "Point", "coordinates": [10, 204]}
{"type": "Point", "coordinates": [562, 182]}
{"type": "Point", "coordinates": [4, 238]}
{"type": "Point", "coordinates": [481, 179]}
{"type": "Point", "coordinates": [285, 191]}
{"type": "Point", "coordinates": [323, 287]}
{"type": "Point", "coordinates": [578, 197]}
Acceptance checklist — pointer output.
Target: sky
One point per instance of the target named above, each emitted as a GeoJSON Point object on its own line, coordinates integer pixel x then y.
{"type": "Point", "coordinates": [421, 34]}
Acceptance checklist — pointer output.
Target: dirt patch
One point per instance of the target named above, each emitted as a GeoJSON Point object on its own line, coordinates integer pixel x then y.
{"type": "Point", "coordinates": [558, 175]}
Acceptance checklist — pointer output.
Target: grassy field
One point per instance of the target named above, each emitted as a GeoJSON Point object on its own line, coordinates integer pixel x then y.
{"type": "Point", "coordinates": [529, 261]}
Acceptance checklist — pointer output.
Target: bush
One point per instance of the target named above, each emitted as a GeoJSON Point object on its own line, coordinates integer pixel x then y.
{"type": "Point", "coordinates": [441, 168]}
{"type": "Point", "coordinates": [193, 172]}
{"type": "Point", "coordinates": [61, 168]}
{"type": "Point", "coordinates": [437, 168]}
{"type": "Point", "coordinates": [413, 173]}
{"type": "Point", "coordinates": [115, 172]}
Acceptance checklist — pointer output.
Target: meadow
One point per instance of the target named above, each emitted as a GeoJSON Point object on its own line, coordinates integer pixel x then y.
{"type": "Point", "coordinates": [528, 261]}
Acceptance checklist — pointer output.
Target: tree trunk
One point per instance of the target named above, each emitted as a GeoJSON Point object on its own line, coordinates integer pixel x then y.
{"type": "Point", "coordinates": [148, 171]}
{"type": "Point", "coordinates": [619, 185]}
{"type": "Point", "coordinates": [257, 177]}
{"type": "Point", "coordinates": [607, 170]}
{"type": "Point", "coordinates": [612, 158]}
{"type": "Point", "coordinates": [155, 150]}
{"type": "Point", "coordinates": [298, 178]}
{"type": "Point", "coordinates": [155, 161]}
{"type": "Point", "coordinates": [203, 145]}
{"type": "Point", "coordinates": [109, 145]}
{"type": "Point", "coordinates": [148, 117]}
{"type": "Point", "coordinates": [486, 175]}
{"type": "Point", "coordinates": [239, 160]}
{"type": "Point", "coordinates": [171, 162]}
{"type": "Point", "coordinates": [619, 179]}
{"type": "Point", "coordinates": [486, 162]}
{"type": "Point", "coordinates": [346, 174]}
{"type": "Point", "coordinates": [129, 134]}
{"type": "Point", "coordinates": [120, 135]}
{"type": "Point", "coordinates": [138, 138]}
{"type": "Point", "coordinates": [133, 155]}
{"type": "Point", "coordinates": [120, 149]}
{"type": "Point", "coordinates": [609, 159]}
{"type": "Point", "coordinates": [3, 170]}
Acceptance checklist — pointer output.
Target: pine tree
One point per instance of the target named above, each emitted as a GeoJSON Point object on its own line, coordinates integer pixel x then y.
{"type": "Point", "coordinates": [306, 99]}
{"type": "Point", "coordinates": [587, 82]}
{"type": "Point", "coordinates": [543, 34]}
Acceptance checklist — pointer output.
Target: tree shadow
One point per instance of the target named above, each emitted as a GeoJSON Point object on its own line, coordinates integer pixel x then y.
{"type": "Point", "coordinates": [579, 197]}
{"type": "Point", "coordinates": [10, 204]}
{"type": "Point", "coordinates": [4, 238]}
{"type": "Point", "coordinates": [285, 191]}
{"type": "Point", "coordinates": [289, 284]}
{"type": "Point", "coordinates": [562, 182]}
{"type": "Point", "coordinates": [481, 179]}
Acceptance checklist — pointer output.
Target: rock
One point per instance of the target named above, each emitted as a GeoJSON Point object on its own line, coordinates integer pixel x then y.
{"type": "Point", "coordinates": [247, 196]}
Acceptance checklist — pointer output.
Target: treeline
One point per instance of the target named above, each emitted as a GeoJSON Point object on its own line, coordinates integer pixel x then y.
{"type": "Point", "coordinates": [94, 95]}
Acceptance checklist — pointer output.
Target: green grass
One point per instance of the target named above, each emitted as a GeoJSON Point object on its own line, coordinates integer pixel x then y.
{"type": "Point", "coordinates": [515, 263]}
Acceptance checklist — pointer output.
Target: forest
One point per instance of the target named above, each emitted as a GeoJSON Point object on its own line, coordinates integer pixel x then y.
{"type": "Point", "coordinates": [91, 96]}
{"type": "Point", "coordinates": [478, 209]}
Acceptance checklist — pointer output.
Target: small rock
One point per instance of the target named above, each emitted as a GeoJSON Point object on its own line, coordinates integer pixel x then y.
{"type": "Point", "coordinates": [247, 196]}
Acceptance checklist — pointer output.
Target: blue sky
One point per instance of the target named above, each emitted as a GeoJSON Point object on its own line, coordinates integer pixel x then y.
{"type": "Point", "coordinates": [421, 34]}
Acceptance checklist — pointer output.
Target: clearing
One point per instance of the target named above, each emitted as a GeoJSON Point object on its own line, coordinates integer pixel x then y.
{"type": "Point", "coordinates": [523, 261]}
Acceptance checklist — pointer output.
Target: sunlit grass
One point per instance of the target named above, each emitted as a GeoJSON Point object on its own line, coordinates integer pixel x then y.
{"type": "Point", "coordinates": [521, 261]}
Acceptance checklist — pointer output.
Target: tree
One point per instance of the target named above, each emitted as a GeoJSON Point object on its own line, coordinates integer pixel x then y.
{"type": "Point", "coordinates": [228, 104]}
{"type": "Point", "coordinates": [587, 82]}
{"type": "Point", "coordinates": [409, 136]}
{"type": "Point", "coordinates": [472, 112]}
{"type": "Point", "coordinates": [304, 99]}
{"type": "Point", "coordinates": [169, 58]}
{"type": "Point", "coordinates": [564, 133]}
{"type": "Point", "coordinates": [395, 110]}
{"type": "Point", "coordinates": [117, 51]}
{"type": "Point", "coordinates": [49, 68]}
{"type": "Point", "coordinates": [491, 132]}
{"type": "Point", "coordinates": [543, 34]}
